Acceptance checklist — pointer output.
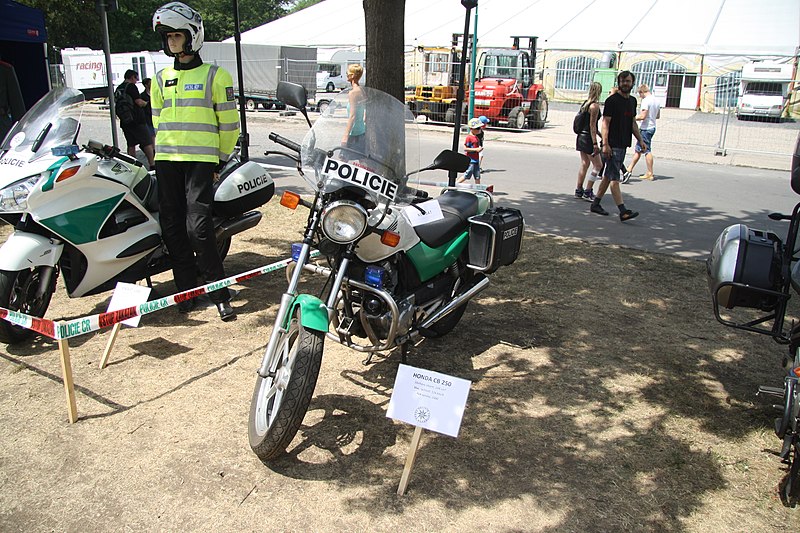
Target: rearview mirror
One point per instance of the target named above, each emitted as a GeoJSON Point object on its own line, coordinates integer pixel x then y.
{"type": "Point", "coordinates": [450, 160]}
{"type": "Point", "coordinates": [447, 160]}
{"type": "Point", "coordinates": [292, 94]}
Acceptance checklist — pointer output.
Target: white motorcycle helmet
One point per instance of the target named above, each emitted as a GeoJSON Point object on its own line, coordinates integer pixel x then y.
{"type": "Point", "coordinates": [177, 16]}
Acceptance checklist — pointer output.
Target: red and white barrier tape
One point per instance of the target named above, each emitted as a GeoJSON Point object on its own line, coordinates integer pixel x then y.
{"type": "Point", "coordinates": [57, 330]}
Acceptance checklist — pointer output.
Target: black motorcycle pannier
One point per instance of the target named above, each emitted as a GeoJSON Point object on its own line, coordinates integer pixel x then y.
{"type": "Point", "coordinates": [744, 268]}
{"type": "Point", "coordinates": [495, 238]}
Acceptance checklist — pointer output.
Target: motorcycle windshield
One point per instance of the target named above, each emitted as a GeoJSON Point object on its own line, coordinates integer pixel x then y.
{"type": "Point", "coordinates": [52, 121]}
{"type": "Point", "coordinates": [368, 140]}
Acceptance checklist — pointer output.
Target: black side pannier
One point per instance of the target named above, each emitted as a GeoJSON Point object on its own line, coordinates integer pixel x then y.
{"type": "Point", "coordinates": [495, 238]}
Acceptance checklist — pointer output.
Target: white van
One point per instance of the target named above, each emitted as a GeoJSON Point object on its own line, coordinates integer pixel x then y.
{"type": "Point", "coordinates": [330, 77]}
{"type": "Point", "coordinates": [332, 68]}
{"type": "Point", "coordinates": [764, 89]}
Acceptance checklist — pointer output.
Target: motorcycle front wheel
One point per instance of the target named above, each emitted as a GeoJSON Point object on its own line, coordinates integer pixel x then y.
{"type": "Point", "coordinates": [18, 291]}
{"type": "Point", "coordinates": [280, 400]}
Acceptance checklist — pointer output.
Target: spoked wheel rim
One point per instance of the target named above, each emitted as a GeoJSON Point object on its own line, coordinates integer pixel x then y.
{"type": "Point", "coordinates": [790, 484]}
{"type": "Point", "coordinates": [272, 388]}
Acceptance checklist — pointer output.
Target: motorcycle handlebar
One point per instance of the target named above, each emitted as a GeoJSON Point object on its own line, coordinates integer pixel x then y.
{"type": "Point", "coordinates": [779, 216]}
{"type": "Point", "coordinates": [283, 141]}
{"type": "Point", "coordinates": [423, 195]}
{"type": "Point", "coordinates": [105, 150]}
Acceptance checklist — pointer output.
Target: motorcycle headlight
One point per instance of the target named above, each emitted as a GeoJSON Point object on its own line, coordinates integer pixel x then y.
{"type": "Point", "coordinates": [14, 198]}
{"type": "Point", "coordinates": [344, 221]}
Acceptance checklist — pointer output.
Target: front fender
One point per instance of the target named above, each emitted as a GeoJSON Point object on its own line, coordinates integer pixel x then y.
{"type": "Point", "coordinates": [26, 250]}
{"type": "Point", "coordinates": [313, 313]}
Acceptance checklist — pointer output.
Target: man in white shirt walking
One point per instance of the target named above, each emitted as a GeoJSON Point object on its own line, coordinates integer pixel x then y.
{"type": "Point", "coordinates": [649, 111]}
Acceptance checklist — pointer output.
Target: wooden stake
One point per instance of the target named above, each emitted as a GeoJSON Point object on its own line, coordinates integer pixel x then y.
{"type": "Point", "coordinates": [412, 456]}
{"type": "Point", "coordinates": [110, 345]}
{"type": "Point", "coordinates": [69, 386]}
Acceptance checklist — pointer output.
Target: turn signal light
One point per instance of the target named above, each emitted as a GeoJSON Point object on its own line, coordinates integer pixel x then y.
{"type": "Point", "coordinates": [390, 238]}
{"type": "Point", "coordinates": [290, 200]}
{"type": "Point", "coordinates": [796, 371]}
{"type": "Point", "coordinates": [68, 173]}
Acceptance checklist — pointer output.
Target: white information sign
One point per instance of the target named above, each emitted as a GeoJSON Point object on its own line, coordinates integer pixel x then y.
{"type": "Point", "coordinates": [423, 213]}
{"type": "Point", "coordinates": [128, 295]}
{"type": "Point", "coordinates": [429, 399]}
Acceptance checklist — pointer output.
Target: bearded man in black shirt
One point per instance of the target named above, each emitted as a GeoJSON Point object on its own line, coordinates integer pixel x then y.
{"type": "Point", "coordinates": [619, 121]}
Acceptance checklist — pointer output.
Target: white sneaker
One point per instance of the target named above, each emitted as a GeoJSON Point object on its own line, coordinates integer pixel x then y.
{"type": "Point", "coordinates": [626, 177]}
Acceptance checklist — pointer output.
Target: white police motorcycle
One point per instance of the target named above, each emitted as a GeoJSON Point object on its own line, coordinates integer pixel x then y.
{"type": "Point", "coordinates": [90, 214]}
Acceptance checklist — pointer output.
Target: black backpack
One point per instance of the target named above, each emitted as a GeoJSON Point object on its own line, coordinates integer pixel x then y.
{"type": "Point", "coordinates": [123, 105]}
{"type": "Point", "coordinates": [581, 120]}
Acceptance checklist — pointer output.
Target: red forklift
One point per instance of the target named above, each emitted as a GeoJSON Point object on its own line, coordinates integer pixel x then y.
{"type": "Point", "coordinates": [506, 91]}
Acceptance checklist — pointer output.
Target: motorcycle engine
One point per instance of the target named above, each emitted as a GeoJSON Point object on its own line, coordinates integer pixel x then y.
{"type": "Point", "coordinates": [374, 311]}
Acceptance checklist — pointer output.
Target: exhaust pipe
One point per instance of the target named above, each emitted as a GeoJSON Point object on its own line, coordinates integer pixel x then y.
{"type": "Point", "coordinates": [232, 226]}
{"type": "Point", "coordinates": [481, 284]}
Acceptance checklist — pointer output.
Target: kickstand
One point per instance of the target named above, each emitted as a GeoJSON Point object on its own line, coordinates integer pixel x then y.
{"type": "Point", "coordinates": [149, 282]}
{"type": "Point", "coordinates": [404, 353]}
{"type": "Point", "coordinates": [368, 360]}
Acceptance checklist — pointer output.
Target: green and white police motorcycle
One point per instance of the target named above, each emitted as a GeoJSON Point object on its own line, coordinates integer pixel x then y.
{"type": "Point", "coordinates": [396, 265]}
{"type": "Point", "coordinates": [90, 214]}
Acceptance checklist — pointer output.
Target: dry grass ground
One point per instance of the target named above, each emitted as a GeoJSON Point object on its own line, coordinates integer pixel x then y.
{"type": "Point", "coordinates": [604, 398]}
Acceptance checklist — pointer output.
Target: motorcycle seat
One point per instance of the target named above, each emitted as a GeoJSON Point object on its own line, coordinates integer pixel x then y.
{"type": "Point", "coordinates": [457, 207]}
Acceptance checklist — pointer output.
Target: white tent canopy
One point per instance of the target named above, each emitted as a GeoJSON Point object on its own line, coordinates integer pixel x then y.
{"type": "Point", "coordinates": [722, 27]}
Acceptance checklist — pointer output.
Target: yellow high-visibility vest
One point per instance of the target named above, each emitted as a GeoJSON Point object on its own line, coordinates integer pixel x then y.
{"type": "Point", "coordinates": [194, 114]}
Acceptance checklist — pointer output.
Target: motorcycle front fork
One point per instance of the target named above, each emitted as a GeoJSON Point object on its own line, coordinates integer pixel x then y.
{"type": "Point", "coordinates": [45, 280]}
{"type": "Point", "coordinates": [288, 297]}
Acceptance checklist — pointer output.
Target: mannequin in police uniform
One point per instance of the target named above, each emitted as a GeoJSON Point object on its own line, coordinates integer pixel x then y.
{"type": "Point", "coordinates": [197, 126]}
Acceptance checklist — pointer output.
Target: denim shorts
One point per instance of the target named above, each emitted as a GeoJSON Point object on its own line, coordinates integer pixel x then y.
{"type": "Point", "coordinates": [474, 171]}
{"type": "Point", "coordinates": [647, 137]}
{"type": "Point", "coordinates": [613, 165]}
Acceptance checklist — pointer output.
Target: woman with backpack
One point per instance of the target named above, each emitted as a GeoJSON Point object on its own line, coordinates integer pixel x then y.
{"type": "Point", "coordinates": [586, 142]}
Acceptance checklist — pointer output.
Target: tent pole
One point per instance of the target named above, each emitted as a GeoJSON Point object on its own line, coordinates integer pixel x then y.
{"type": "Point", "coordinates": [244, 138]}
{"type": "Point", "coordinates": [468, 4]}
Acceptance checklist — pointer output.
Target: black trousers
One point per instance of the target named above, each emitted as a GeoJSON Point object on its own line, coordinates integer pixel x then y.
{"type": "Point", "coordinates": [185, 195]}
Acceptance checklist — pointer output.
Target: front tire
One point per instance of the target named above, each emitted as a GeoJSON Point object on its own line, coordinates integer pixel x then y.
{"type": "Point", "coordinates": [516, 118]}
{"type": "Point", "coordinates": [280, 401]}
{"type": "Point", "coordinates": [539, 111]}
{"type": "Point", "coordinates": [18, 293]}
{"type": "Point", "coordinates": [250, 104]}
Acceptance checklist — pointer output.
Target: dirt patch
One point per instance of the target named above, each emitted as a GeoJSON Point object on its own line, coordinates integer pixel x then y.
{"type": "Point", "coordinates": [605, 397]}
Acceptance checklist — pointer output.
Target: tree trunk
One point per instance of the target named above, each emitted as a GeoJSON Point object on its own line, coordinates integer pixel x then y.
{"type": "Point", "coordinates": [385, 33]}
